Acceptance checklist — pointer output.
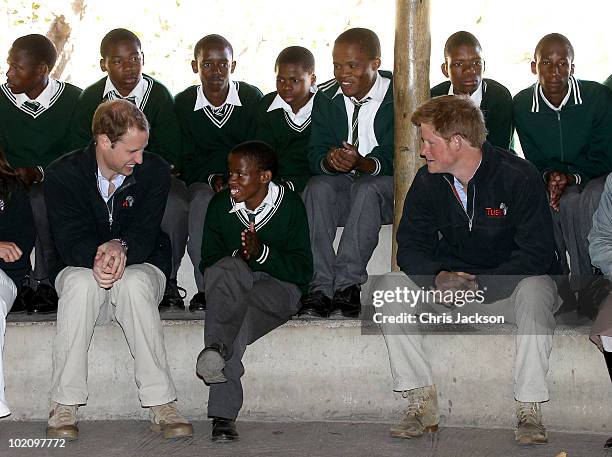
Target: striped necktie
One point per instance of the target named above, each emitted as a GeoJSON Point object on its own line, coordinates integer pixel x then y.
{"type": "Point", "coordinates": [253, 214]}
{"type": "Point", "coordinates": [355, 123]}
{"type": "Point", "coordinates": [114, 95]}
{"type": "Point", "coordinates": [33, 105]}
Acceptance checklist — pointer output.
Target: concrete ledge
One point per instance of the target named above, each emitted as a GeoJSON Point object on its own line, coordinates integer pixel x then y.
{"type": "Point", "coordinates": [322, 370]}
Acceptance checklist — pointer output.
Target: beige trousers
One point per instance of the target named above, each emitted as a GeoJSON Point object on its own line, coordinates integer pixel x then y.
{"type": "Point", "coordinates": [133, 300]}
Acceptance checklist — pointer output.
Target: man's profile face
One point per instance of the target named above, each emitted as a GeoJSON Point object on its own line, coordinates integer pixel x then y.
{"type": "Point", "coordinates": [464, 66]}
{"type": "Point", "coordinates": [437, 152]}
{"type": "Point", "coordinates": [126, 153]}
{"type": "Point", "coordinates": [24, 74]}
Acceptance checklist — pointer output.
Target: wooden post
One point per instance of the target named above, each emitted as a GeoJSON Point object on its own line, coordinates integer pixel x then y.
{"type": "Point", "coordinates": [410, 89]}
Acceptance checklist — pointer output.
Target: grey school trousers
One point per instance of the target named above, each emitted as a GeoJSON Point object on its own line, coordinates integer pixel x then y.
{"type": "Point", "coordinates": [200, 195]}
{"type": "Point", "coordinates": [241, 307]}
{"type": "Point", "coordinates": [174, 222]}
{"type": "Point", "coordinates": [359, 203]}
{"type": "Point", "coordinates": [572, 224]}
{"type": "Point", "coordinates": [530, 307]}
{"type": "Point", "coordinates": [133, 300]}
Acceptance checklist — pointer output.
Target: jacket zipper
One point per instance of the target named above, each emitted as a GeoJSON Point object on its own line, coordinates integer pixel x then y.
{"type": "Point", "coordinates": [560, 136]}
{"type": "Point", "coordinates": [111, 209]}
{"type": "Point", "coordinates": [470, 219]}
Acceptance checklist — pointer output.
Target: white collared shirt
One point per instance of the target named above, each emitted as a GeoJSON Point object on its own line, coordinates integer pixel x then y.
{"type": "Point", "coordinates": [268, 201]}
{"type": "Point", "coordinates": [45, 96]}
{"type": "Point", "coordinates": [460, 189]}
{"type": "Point", "coordinates": [367, 113]}
{"type": "Point", "coordinates": [563, 102]}
{"type": "Point", "coordinates": [476, 96]}
{"type": "Point", "coordinates": [303, 113]}
{"type": "Point", "coordinates": [139, 91]}
{"type": "Point", "coordinates": [231, 99]}
{"type": "Point", "coordinates": [104, 184]}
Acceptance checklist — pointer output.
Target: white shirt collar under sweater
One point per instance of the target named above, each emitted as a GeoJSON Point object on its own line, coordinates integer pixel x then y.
{"type": "Point", "coordinates": [139, 91]}
{"type": "Point", "coordinates": [268, 201]}
{"type": "Point", "coordinates": [232, 98]}
{"type": "Point", "coordinates": [476, 96]}
{"type": "Point", "coordinates": [303, 113]}
{"type": "Point", "coordinates": [45, 96]}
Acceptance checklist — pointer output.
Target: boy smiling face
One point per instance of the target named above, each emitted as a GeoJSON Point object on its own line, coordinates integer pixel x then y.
{"type": "Point", "coordinates": [354, 70]}
{"type": "Point", "coordinates": [248, 183]}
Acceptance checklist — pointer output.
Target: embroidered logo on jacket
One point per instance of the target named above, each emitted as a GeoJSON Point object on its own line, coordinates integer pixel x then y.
{"type": "Point", "coordinates": [128, 202]}
{"type": "Point", "coordinates": [497, 212]}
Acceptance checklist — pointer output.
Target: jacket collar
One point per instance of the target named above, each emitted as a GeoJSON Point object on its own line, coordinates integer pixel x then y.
{"type": "Point", "coordinates": [574, 96]}
{"type": "Point", "coordinates": [90, 165]}
{"type": "Point", "coordinates": [488, 164]}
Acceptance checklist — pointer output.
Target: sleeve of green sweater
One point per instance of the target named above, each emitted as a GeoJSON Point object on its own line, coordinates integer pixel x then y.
{"type": "Point", "coordinates": [383, 153]}
{"type": "Point", "coordinates": [187, 151]}
{"type": "Point", "coordinates": [499, 119]}
{"type": "Point", "coordinates": [81, 121]}
{"type": "Point", "coordinates": [322, 137]}
{"type": "Point", "coordinates": [294, 262]}
{"type": "Point", "coordinates": [165, 138]}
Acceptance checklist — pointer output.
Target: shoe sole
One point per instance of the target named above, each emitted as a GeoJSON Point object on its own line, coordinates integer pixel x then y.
{"type": "Point", "coordinates": [223, 439]}
{"type": "Point", "coordinates": [407, 435]}
{"type": "Point", "coordinates": [69, 434]}
{"type": "Point", "coordinates": [185, 431]}
{"type": "Point", "coordinates": [210, 367]}
{"type": "Point", "coordinates": [529, 442]}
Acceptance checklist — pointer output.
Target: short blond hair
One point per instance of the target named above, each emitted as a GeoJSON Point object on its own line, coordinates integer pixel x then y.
{"type": "Point", "coordinates": [451, 115]}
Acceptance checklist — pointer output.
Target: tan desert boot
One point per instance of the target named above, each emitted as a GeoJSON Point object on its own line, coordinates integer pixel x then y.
{"type": "Point", "coordinates": [165, 418]}
{"type": "Point", "coordinates": [62, 422]}
{"type": "Point", "coordinates": [529, 428]}
{"type": "Point", "coordinates": [421, 416]}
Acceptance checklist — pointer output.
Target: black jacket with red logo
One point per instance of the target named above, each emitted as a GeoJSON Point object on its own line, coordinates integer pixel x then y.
{"type": "Point", "coordinates": [510, 232]}
{"type": "Point", "coordinates": [81, 220]}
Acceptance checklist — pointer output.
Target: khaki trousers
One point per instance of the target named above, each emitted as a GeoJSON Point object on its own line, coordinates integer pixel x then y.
{"type": "Point", "coordinates": [530, 308]}
{"type": "Point", "coordinates": [133, 300]}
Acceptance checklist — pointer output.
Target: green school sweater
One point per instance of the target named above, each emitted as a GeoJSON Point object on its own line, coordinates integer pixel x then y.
{"type": "Point", "coordinates": [496, 106]}
{"type": "Point", "coordinates": [330, 128]}
{"type": "Point", "coordinates": [608, 82]}
{"type": "Point", "coordinates": [289, 141]}
{"type": "Point", "coordinates": [576, 139]}
{"type": "Point", "coordinates": [206, 143]}
{"type": "Point", "coordinates": [283, 231]}
{"type": "Point", "coordinates": [32, 139]}
{"type": "Point", "coordinates": [158, 107]}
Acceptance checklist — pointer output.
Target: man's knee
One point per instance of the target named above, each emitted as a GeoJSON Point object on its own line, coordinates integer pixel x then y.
{"type": "Point", "coordinates": [535, 294]}
{"type": "Point", "coordinates": [320, 186]}
{"type": "Point", "coordinates": [177, 203]}
{"type": "Point", "coordinates": [76, 280]}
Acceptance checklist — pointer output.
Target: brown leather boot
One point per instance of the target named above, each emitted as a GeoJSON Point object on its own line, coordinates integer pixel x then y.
{"type": "Point", "coordinates": [422, 414]}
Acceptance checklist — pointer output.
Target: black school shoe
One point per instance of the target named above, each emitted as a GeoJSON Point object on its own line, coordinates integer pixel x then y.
{"type": "Point", "coordinates": [348, 301]}
{"type": "Point", "coordinates": [315, 304]}
{"type": "Point", "coordinates": [198, 302]}
{"type": "Point", "coordinates": [173, 296]}
{"type": "Point", "coordinates": [44, 300]}
{"type": "Point", "coordinates": [224, 430]}
{"type": "Point", "coordinates": [23, 300]}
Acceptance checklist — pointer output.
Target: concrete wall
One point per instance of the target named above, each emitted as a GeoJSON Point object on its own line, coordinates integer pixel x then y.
{"type": "Point", "coordinates": [322, 370]}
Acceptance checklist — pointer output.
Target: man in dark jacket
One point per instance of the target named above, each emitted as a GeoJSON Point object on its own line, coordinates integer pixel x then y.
{"type": "Point", "coordinates": [476, 229]}
{"type": "Point", "coordinates": [105, 205]}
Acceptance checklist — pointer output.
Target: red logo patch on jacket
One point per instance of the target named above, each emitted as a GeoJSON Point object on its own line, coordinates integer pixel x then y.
{"type": "Point", "coordinates": [497, 212]}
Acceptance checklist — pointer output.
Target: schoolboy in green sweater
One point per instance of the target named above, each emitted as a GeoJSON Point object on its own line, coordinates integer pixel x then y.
{"type": "Point", "coordinates": [565, 128]}
{"type": "Point", "coordinates": [122, 58]}
{"type": "Point", "coordinates": [464, 66]}
{"type": "Point", "coordinates": [351, 151]}
{"type": "Point", "coordinates": [214, 116]}
{"type": "Point", "coordinates": [35, 113]}
{"type": "Point", "coordinates": [283, 116]}
{"type": "Point", "coordinates": [257, 262]}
